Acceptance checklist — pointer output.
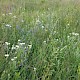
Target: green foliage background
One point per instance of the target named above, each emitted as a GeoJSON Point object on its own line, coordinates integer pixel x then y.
{"type": "Point", "coordinates": [50, 33]}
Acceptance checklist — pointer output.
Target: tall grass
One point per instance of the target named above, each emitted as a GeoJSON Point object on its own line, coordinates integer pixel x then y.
{"type": "Point", "coordinates": [39, 40]}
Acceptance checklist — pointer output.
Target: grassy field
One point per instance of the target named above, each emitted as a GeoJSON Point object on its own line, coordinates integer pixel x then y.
{"type": "Point", "coordinates": [39, 40]}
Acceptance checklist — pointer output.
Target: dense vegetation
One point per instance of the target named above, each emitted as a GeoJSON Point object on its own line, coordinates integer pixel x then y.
{"type": "Point", "coordinates": [39, 40]}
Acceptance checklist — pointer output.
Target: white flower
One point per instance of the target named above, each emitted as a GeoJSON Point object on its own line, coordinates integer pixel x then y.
{"type": "Point", "coordinates": [44, 41]}
{"type": "Point", "coordinates": [29, 46]}
{"type": "Point", "coordinates": [34, 69]}
{"type": "Point", "coordinates": [7, 43]}
{"type": "Point", "coordinates": [68, 24]}
{"type": "Point", "coordinates": [22, 44]}
{"type": "Point", "coordinates": [8, 75]}
{"type": "Point", "coordinates": [68, 36]}
{"type": "Point", "coordinates": [56, 39]}
{"type": "Point", "coordinates": [42, 26]}
{"type": "Point", "coordinates": [6, 55]}
{"type": "Point", "coordinates": [15, 57]}
{"type": "Point", "coordinates": [17, 46]}
{"type": "Point", "coordinates": [12, 59]}
{"type": "Point", "coordinates": [7, 25]}
{"type": "Point", "coordinates": [75, 34]}
{"type": "Point", "coordinates": [13, 47]}
{"type": "Point", "coordinates": [55, 32]}
{"type": "Point", "coordinates": [19, 40]}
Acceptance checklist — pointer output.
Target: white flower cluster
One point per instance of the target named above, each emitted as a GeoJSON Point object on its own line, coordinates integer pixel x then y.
{"type": "Point", "coordinates": [74, 34]}
{"type": "Point", "coordinates": [8, 25]}
{"type": "Point", "coordinates": [13, 58]}
{"type": "Point", "coordinates": [6, 55]}
{"type": "Point", "coordinates": [14, 47]}
{"type": "Point", "coordinates": [7, 43]}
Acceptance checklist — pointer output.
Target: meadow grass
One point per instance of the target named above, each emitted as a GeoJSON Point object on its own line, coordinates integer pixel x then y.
{"type": "Point", "coordinates": [39, 40]}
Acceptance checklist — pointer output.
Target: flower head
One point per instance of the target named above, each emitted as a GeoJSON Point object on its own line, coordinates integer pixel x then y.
{"type": "Point", "coordinates": [6, 55]}
{"type": "Point", "coordinates": [29, 46]}
{"type": "Point", "coordinates": [22, 44]}
{"type": "Point", "coordinates": [34, 69]}
{"type": "Point", "coordinates": [15, 57]}
{"type": "Point", "coordinates": [7, 43]}
{"type": "Point", "coordinates": [75, 34]}
{"type": "Point", "coordinates": [17, 46]}
{"type": "Point", "coordinates": [7, 25]}
{"type": "Point", "coordinates": [12, 59]}
{"type": "Point", "coordinates": [42, 27]}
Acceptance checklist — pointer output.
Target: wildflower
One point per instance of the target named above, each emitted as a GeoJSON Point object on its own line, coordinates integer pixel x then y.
{"type": "Point", "coordinates": [29, 46]}
{"type": "Point", "coordinates": [8, 75]}
{"type": "Point", "coordinates": [55, 32]}
{"type": "Point", "coordinates": [42, 27]}
{"type": "Point", "coordinates": [6, 55]}
{"type": "Point", "coordinates": [13, 47]}
{"type": "Point", "coordinates": [17, 46]}
{"type": "Point", "coordinates": [7, 43]}
{"type": "Point", "coordinates": [44, 41]}
{"type": "Point", "coordinates": [34, 69]}
{"type": "Point", "coordinates": [19, 40]}
{"type": "Point", "coordinates": [22, 44]}
{"type": "Point", "coordinates": [15, 57]}
{"type": "Point", "coordinates": [68, 24]}
{"type": "Point", "coordinates": [56, 39]}
{"type": "Point", "coordinates": [75, 34]}
{"type": "Point", "coordinates": [12, 59]}
{"type": "Point", "coordinates": [7, 25]}
{"type": "Point", "coordinates": [68, 36]}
